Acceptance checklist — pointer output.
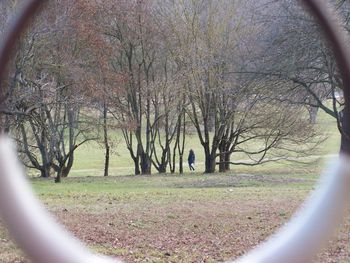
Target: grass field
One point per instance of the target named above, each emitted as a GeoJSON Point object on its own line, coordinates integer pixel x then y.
{"type": "Point", "coordinates": [90, 157]}
{"type": "Point", "coordinates": [189, 218]}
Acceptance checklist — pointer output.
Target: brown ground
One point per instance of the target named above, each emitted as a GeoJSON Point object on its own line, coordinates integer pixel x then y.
{"type": "Point", "coordinates": [182, 224]}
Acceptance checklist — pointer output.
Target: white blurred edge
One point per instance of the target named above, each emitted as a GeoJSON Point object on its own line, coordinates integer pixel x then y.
{"type": "Point", "coordinates": [33, 228]}
{"type": "Point", "coordinates": [313, 225]}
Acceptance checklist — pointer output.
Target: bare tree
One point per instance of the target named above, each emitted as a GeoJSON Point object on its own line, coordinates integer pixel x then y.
{"type": "Point", "coordinates": [292, 50]}
{"type": "Point", "coordinates": [44, 99]}
{"type": "Point", "coordinates": [228, 110]}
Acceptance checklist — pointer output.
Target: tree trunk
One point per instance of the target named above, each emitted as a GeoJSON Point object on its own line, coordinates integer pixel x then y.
{"type": "Point", "coordinates": [106, 161]}
{"type": "Point", "coordinates": [65, 171]}
{"type": "Point", "coordinates": [137, 170]}
{"type": "Point", "coordinates": [136, 160]}
{"type": "Point", "coordinates": [105, 132]}
{"type": "Point", "coordinates": [222, 165]}
{"type": "Point", "coordinates": [182, 147]}
{"type": "Point", "coordinates": [66, 168]}
{"type": "Point", "coordinates": [181, 166]}
{"type": "Point", "coordinates": [313, 114]}
{"type": "Point", "coordinates": [58, 175]}
{"type": "Point", "coordinates": [227, 162]}
{"type": "Point", "coordinates": [145, 164]}
{"type": "Point", "coordinates": [164, 160]}
{"type": "Point", "coordinates": [210, 163]}
{"type": "Point", "coordinates": [172, 162]}
{"type": "Point", "coordinates": [45, 172]}
{"type": "Point", "coordinates": [345, 138]}
{"type": "Point", "coordinates": [225, 157]}
{"type": "Point", "coordinates": [137, 166]}
{"type": "Point", "coordinates": [162, 168]}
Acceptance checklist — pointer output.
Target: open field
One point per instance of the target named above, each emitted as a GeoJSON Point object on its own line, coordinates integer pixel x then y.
{"type": "Point", "coordinates": [193, 218]}
{"type": "Point", "coordinates": [189, 218]}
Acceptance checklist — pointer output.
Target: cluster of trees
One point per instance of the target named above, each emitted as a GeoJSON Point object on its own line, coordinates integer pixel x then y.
{"type": "Point", "coordinates": [242, 75]}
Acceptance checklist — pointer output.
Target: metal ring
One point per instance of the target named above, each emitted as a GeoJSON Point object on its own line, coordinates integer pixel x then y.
{"type": "Point", "coordinates": [326, 206]}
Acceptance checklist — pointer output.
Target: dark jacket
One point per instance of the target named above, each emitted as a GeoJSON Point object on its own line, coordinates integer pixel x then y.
{"type": "Point", "coordinates": [191, 157]}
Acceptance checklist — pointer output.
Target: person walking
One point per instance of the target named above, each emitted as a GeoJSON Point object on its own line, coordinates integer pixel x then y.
{"type": "Point", "coordinates": [191, 160]}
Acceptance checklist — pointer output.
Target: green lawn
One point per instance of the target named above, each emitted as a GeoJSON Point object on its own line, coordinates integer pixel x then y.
{"type": "Point", "coordinates": [89, 159]}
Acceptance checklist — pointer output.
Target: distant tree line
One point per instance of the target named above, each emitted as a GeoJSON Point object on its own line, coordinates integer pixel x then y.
{"type": "Point", "coordinates": [246, 77]}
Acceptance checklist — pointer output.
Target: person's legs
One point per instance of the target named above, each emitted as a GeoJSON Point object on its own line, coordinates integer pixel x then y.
{"type": "Point", "coordinates": [192, 166]}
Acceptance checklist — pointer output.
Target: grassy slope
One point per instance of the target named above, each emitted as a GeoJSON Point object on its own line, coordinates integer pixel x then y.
{"type": "Point", "coordinates": [90, 157]}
